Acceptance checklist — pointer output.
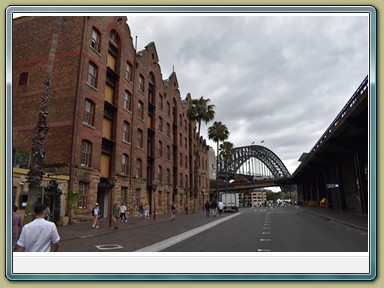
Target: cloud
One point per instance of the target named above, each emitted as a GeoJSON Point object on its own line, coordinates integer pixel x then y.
{"type": "Point", "coordinates": [282, 79]}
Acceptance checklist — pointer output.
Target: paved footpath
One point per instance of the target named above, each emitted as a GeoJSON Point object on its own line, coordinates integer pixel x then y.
{"type": "Point", "coordinates": [135, 234]}
{"type": "Point", "coordinates": [140, 233]}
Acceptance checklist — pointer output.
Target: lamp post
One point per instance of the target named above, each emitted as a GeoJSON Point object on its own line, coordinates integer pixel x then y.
{"type": "Point", "coordinates": [111, 182]}
{"type": "Point", "coordinates": [154, 188]}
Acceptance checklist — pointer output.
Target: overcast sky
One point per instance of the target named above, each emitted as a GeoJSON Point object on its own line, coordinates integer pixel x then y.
{"type": "Point", "coordinates": [278, 79]}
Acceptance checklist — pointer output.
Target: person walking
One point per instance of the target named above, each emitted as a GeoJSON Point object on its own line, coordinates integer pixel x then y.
{"type": "Point", "coordinates": [96, 213]}
{"type": "Point", "coordinates": [220, 207]}
{"type": "Point", "coordinates": [173, 212]}
{"type": "Point", "coordinates": [123, 213]}
{"type": "Point", "coordinates": [207, 207]}
{"type": "Point", "coordinates": [116, 216]}
{"type": "Point", "coordinates": [141, 210]}
{"type": "Point", "coordinates": [17, 225]}
{"type": "Point", "coordinates": [146, 211]}
{"type": "Point", "coordinates": [213, 208]}
{"type": "Point", "coordinates": [39, 235]}
{"type": "Point", "coordinates": [186, 208]}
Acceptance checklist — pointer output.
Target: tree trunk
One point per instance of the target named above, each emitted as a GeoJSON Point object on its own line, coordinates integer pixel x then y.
{"type": "Point", "coordinates": [36, 171]}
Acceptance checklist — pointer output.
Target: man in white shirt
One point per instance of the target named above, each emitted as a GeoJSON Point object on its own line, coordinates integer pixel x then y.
{"type": "Point", "coordinates": [40, 235]}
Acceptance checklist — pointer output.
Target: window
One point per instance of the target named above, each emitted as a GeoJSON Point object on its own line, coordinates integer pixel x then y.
{"type": "Point", "coordinates": [139, 168]}
{"type": "Point", "coordinates": [126, 132]}
{"type": "Point", "coordinates": [86, 149]}
{"type": "Point", "coordinates": [160, 124]}
{"type": "Point", "coordinates": [181, 140]}
{"type": "Point", "coordinates": [168, 152]}
{"type": "Point", "coordinates": [123, 194]}
{"type": "Point", "coordinates": [185, 125]}
{"type": "Point", "coordinates": [92, 74]}
{"type": "Point", "coordinates": [160, 174]}
{"type": "Point", "coordinates": [127, 101]}
{"type": "Point", "coordinates": [128, 72]}
{"type": "Point", "coordinates": [161, 102]}
{"type": "Point", "coordinates": [141, 83]}
{"type": "Point", "coordinates": [139, 138]}
{"type": "Point", "coordinates": [23, 78]}
{"type": "Point", "coordinates": [137, 197]}
{"type": "Point", "coordinates": [181, 159]}
{"type": "Point", "coordinates": [89, 113]}
{"type": "Point", "coordinates": [151, 89]}
{"type": "Point", "coordinates": [140, 110]}
{"type": "Point", "coordinates": [168, 130]}
{"type": "Point", "coordinates": [95, 42]}
{"type": "Point", "coordinates": [181, 179]}
{"type": "Point", "coordinates": [160, 149]}
{"type": "Point", "coordinates": [168, 176]}
{"type": "Point", "coordinates": [83, 191]}
{"type": "Point", "coordinates": [168, 109]}
{"type": "Point", "coordinates": [185, 142]}
{"type": "Point", "coordinates": [186, 161]}
{"type": "Point", "coordinates": [124, 164]}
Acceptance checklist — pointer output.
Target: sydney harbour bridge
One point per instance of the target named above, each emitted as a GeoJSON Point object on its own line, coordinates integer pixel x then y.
{"type": "Point", "coordinates": [257, 164]}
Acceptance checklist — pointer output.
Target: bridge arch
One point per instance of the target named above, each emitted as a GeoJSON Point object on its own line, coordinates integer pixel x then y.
{"type": "Point", "coordinates": [242, 154]}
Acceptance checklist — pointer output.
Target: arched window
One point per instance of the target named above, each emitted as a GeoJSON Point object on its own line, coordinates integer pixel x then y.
{"type": "Point", "coordinates": [86, 151]}
{"type": "Point", "coordinates": [93, 71]}
{"type": "Point", "coordinates": [151, 88]}
{"type": "Point", "coordinates": [89, 113]}
{"type": "Point", "coordinates": [126, 132]}
{"type": "Point", "coordinates": [125, 164]}
{"type": "Point", "coordinates": [128, 72]}
{"type": "Point", "coordinates": [96, 39]}
{"type": "Point", "coordinates": [139, 168]}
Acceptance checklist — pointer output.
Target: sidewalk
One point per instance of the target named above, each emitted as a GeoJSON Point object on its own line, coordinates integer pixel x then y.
{"type": "Point", "coordinates": [357, 220]}
{"type": "Point", "coordinates": [80, 230]}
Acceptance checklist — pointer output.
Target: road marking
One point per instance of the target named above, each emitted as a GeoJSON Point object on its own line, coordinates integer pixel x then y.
{"type": "Point", "coordinates": [263, 250]}
{"type": "Point", "coordinates": [267, 224]}
{"type": "Point", "coordinates": [87, 236]}
{"type": "Point", "coordinates": [109, 247]}
{"type": "Point", "coordinates": [266, 233]}
{"type": "Point", "coordinates": [178, 238]}
{"type": "Point", "coordinates": [266, 227]}
{"type": "Point", "coordinates": [265, 239]}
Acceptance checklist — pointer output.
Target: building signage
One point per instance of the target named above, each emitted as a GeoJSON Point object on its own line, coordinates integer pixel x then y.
{"type": "Point", "coordinates": [332, 185]}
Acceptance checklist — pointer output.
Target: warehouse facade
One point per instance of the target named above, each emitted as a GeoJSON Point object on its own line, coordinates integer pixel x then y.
{"type": "Point", "coordinates": [117, 129]}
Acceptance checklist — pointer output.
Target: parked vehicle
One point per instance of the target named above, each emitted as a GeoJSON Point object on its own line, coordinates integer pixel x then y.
{"type": "Point", "coordinates": [231, 202]}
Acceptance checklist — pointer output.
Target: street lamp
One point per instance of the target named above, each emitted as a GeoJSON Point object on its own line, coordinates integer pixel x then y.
{"type": "Point", "coordinates": [154, 188]}
{"type": "Point", "coordinates": [111, 182]}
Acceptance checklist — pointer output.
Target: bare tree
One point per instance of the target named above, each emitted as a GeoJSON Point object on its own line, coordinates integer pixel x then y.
{"type": "Point", "coordinates": [35, 174]}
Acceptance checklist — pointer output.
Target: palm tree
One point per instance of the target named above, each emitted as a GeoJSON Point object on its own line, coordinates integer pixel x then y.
{"type": "Point", "coordinates": [226, 151]}
{"type": "Point", "coordinates": [218, 132]}
{"type": "Point", "coordinates": [200, 110]}
{"type": "Point", "coordinates": [35, 174]}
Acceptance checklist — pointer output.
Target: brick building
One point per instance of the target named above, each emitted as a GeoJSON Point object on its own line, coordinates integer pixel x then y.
{"type": "Point", "coordinates": [116, 127]}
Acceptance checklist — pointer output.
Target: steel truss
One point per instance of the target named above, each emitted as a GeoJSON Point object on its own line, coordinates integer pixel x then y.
{"type": "Point", "coordinates": [242, 154]}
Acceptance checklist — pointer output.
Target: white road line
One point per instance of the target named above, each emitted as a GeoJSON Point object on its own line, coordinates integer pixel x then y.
{"type": "Point", "coordinates": [178, 238]}
{"type": "Point", "coordinates": [109, 246]}
{"type": "Point", "coordinates": [265, 240]}
{"type": "Point", "coordinates": [263, 250]}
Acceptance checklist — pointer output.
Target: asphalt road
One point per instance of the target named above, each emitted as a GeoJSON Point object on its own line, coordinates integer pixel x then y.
{"type": "Point", "coordinates": [276, 229]}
